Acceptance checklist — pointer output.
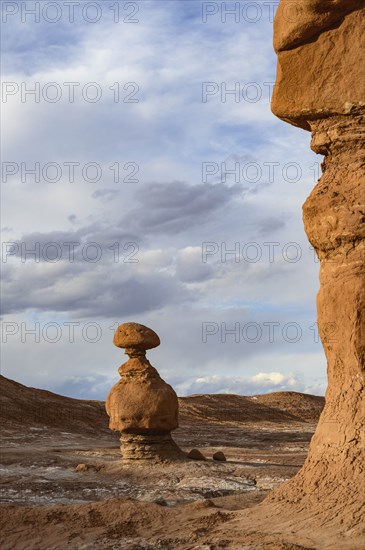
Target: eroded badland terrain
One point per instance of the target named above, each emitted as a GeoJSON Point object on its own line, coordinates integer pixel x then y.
{"type": "Point", "coordinates": [64, 484]}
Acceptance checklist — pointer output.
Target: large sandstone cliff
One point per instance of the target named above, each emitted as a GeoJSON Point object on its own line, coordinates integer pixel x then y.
{"type": "Point", "coordinates": [321, 87]}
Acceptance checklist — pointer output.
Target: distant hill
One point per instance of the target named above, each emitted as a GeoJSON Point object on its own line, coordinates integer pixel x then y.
{"type": "Point", "coordinates": [302, 406]}
{"type": "Point", "coordinates": [271, 407]}
{"type": "Point", "coordinates": [22, 407]}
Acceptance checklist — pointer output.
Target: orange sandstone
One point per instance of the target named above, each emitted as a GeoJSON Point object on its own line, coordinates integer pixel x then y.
{"type": "Point", "coordinates": [321, 87]}
{"type": "Point", "coordinates": [141, 405]}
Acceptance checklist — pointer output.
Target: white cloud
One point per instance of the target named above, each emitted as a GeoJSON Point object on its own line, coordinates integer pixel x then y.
{"type": "Point", "coordinates": [259, 383]}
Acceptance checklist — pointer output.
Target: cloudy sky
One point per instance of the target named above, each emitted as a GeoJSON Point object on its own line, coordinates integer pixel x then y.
{"type": "Point", "coordinates": [145, 179]}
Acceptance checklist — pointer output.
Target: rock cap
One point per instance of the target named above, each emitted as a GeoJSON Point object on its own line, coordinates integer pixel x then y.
{"type": "Point", "coordinates": [135, 336]}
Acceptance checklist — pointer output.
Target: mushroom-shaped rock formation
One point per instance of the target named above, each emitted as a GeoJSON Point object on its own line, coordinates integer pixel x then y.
{"type": "Point", "coordinates": [141, 405]}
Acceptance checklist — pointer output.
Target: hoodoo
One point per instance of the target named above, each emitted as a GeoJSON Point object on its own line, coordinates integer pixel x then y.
{"type": "Point", "coordinates": [141, 405]}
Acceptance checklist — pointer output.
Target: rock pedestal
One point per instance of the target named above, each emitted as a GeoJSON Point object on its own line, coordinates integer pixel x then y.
{"type": "Point", "coordinates": [141, 405]}
{"type": "Point", "coordinates": [321, 87]}
{"type": "Point", "coordinates": [146, 446]}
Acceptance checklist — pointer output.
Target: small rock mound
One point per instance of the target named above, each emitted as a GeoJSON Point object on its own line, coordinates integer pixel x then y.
{"type": "Point", "coordinates": [194, 454]}
{"type": "Point", "coordinates": [81, 468]}
{"type": "Point", "coordinates": [219, 456]}
{"type": "Point", "coordinates": [88, 467]}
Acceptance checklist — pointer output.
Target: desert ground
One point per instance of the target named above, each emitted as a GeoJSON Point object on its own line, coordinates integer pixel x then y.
{"type": "Point", "coordinates": [64, 484]}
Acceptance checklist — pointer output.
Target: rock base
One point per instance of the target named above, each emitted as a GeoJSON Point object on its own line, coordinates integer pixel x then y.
{"type": "Point", "coordinates": [150, 447]}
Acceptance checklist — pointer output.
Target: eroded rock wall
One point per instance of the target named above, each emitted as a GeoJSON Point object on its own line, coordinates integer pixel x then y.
{"type": "Point", "coordinates": [322, 64]}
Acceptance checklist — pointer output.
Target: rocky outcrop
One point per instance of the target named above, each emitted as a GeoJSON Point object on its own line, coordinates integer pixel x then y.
{"type": "Point", "coordinates": [321, 59]}
{"type": "Point", "coordinates": [301, 22]}
{"type": "Point", "coordinates": [323, 76]}
{"type": "Point", "coordinates": [141, 405]}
